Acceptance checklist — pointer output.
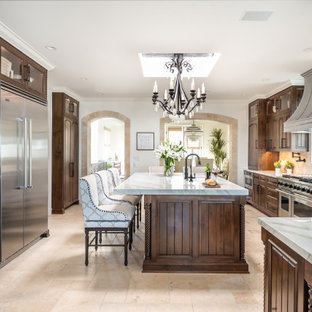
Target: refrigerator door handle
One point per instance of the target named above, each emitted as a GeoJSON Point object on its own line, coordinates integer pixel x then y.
{"type": "Point", "coordinates": [24, 120]}
{"type": "Point", "coordinates": [25, 158]}
{"type": "Point", "coordinates": [30, 152]}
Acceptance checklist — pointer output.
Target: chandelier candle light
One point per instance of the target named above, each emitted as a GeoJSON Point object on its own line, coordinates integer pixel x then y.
{"type": "Point", "coordinates": [176, 103]}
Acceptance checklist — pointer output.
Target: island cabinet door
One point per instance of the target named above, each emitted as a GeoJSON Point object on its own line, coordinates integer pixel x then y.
{"type": "Point", "coordinates": [172, 229]}
{"type": "Point", "coordinates": [218, 234]}
{"type": "Point", "coordinates": [284, 281]}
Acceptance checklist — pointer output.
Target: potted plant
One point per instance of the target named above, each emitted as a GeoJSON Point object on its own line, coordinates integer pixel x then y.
{"type": "Point", "coordinates": [208, 171]}
{"type": "Point", "coordinates": [170, 153]}
{"type": "Point", "coordinates": [277, 166]}
{"type": "Point", "coordinates": [289, 167]}
{"type": "Point", "coordinates": [216, 147]}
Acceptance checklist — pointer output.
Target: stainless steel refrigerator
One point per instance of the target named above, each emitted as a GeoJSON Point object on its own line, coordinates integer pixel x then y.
{"type": "Point", "coordinates": [24, 172]}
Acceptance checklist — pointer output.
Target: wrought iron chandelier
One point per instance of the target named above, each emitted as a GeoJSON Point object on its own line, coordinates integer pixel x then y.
{"type": "Point", "coordinates": [176, 104]}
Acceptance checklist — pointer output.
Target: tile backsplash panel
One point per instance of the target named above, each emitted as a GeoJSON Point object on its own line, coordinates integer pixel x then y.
{"type": "Point", "coordinates": [300, 167]}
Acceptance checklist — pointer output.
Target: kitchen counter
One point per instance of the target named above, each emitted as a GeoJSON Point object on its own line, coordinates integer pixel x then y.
{"type": "Point", "coordinates": [158, 184]}
{"type": "Point", "coordinates": [296, 233]}
{"type": "Point", "coordinates": [190, 228]}
{"type": "Point", "coordinates": [268, 173]}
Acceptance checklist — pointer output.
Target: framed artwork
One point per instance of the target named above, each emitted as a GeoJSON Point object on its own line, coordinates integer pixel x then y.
{"type": "Point", "coordinates": [145, 141]}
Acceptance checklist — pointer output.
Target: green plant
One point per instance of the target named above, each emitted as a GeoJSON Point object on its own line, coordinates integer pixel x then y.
{"type": "Point", "coordinates": [289, 165]}
{"type": "Point", "coordinates": [208, 168]}
{"type": "Point", "coordinates": [216, 147]}
{"type": "Point", "coordinates": [278, 164]}
{"type": "Point", "coordinates": [109, 166]}
{"type": "Point", "coordinates": [116, 157]}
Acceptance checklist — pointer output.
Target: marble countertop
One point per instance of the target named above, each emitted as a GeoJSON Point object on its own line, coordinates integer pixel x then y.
{"type": "Point", "coordinates": [157, 184]}
{"type": "Point", "coordinates": [268, 173]}
{"type": "Point", "coordinates": [296, 233]}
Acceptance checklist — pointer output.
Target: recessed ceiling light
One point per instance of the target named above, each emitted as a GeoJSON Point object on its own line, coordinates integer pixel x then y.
{"type": "Point", "coordinates": [50, 48]}
{"type": "Point", "coordinates": [153, 64]}
{"type": "Point", "coordinates": [256, 16]}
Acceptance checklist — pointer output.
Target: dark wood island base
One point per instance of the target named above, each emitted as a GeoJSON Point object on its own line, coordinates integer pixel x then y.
{"type": "Point", "coordinates": [197, 233]}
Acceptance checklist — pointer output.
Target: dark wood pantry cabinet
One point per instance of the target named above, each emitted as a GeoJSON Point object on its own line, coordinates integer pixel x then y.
{"type": "Point", "coordinates": [64, 152]}
{"type": "Point", "coordinates": [20, 71]}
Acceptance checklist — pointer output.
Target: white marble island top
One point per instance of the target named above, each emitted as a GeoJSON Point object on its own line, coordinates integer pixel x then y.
{"type": "Point", "coordinates": [296, 233]}
{"type": "Point", "coordinates": [157, 184]}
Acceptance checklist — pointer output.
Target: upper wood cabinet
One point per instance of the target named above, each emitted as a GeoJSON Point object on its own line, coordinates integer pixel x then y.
{"type": "Point", "coordinates": [279, 108]}
{"type": "Point", "coordinates": [22, 72]}
{"type": "Point", "coordinates": [257, 156]}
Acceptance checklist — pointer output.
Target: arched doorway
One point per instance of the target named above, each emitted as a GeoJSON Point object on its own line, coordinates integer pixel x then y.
{"type": "Point", "coordinates": [233, 128]}
{"type": "Point", "coordinates": [86, 122]}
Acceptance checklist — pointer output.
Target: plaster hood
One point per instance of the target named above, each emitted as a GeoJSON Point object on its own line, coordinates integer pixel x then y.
{"type": "Point", "coordinates": [301, 120]}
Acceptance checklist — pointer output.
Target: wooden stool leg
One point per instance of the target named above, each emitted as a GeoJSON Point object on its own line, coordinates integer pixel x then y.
{"type": "Point", "coordinates": [138, 215]}
{"type": "Point", "coordinates": [130, 235]}
{"type": "Point", "coordinates": [96, 240]}
{"type": "Point", "coordinates": [126, 247]}
{"type": "Point", "coordinates": [134, 223]}
{"type": "Point", "coordinates": [140, 211]}
{"type": "Point", "coordinates": [86, 246]}
{"type": "Point", "coordinates": [100, 237]}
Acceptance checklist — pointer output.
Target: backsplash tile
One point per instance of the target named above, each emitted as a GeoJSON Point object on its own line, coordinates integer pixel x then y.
{"type": "Point", "coordinates": [300, 167]}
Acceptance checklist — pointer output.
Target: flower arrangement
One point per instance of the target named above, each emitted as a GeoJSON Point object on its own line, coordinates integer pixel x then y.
{"type": "Point", "coordinates": [170, 153]}
{"type": "Point", "coordinates": [289, 165]}
{"type": "Point", "coordinates": [278, 164]}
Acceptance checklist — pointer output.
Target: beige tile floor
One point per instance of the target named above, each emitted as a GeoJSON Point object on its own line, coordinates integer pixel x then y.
{"type": "Point", "coordinates": [51, 276]}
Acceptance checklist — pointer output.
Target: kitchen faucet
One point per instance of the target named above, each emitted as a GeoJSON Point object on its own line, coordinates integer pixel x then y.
{"type": "Point", "coordinates": [191, 177]}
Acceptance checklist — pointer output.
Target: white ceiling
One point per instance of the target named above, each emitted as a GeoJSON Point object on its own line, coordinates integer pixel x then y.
{"type": "Point", "coordinates": [100, 40]}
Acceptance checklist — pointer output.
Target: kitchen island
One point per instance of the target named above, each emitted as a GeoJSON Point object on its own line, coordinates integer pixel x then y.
{"type": "Point", "coordinates": [190, 228]}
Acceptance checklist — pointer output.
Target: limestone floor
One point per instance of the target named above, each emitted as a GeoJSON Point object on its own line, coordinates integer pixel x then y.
{"type": "Point", "coordinates": [51, 276]}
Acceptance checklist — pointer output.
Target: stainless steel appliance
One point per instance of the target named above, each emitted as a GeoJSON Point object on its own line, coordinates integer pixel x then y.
{"type": "Point", "coordinates": [248, 178]}
{"type": "Point", "coordinates": [24, 173]}
{"type": "Point", "coordinates": [295, 193]}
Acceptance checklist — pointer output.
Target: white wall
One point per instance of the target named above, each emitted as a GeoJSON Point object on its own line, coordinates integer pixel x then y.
{"type": "Point", "coordinates": [144, 119]}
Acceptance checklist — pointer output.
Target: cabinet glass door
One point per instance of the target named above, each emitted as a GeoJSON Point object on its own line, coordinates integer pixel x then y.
{"type": "Point", "coordinates": [35, 81]}
{"type": "Point", "coordinates": [285, 101]}
{"type": "Point", "coordinates": [11, 65]}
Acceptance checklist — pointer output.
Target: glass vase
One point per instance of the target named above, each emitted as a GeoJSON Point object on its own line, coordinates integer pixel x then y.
{"type": "Point", "coordinates": [169, 168]}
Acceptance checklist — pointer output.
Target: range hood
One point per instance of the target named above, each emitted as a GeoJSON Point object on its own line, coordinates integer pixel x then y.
{"type": "Point", "coordinates": [301, 120]}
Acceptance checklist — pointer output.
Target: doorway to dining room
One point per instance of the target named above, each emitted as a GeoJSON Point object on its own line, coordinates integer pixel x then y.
{"type": "Point", "coordinates": [105, 142]}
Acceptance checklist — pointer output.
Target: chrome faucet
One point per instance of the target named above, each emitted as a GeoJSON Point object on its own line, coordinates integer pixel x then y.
{"type": "Point", "coordinates": [186, 176]}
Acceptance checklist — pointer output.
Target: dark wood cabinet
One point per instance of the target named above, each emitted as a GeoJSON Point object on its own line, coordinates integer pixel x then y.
{"type": "Point", "coordinates": [64, 152]}
{"type": "Point", "coordinates": [264, 196]}
{"type": "Point", "coordinates": [22, 72]}
{"type": "Point", "coordinates": [258, 158]}
{"type": "Point", "coordinates": [279, 108]}
{"type": "Point", "coordinates": [287, 277]}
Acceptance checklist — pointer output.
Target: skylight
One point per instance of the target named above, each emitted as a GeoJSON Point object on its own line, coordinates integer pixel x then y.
{"type": "Point", "coordinates": [153, 64]}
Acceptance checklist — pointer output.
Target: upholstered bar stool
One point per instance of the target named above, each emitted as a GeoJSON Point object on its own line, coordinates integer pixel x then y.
{"type": "Point", "coordinates": [135, 200]}
{"type": "Point", "coordinates": [110, 218]}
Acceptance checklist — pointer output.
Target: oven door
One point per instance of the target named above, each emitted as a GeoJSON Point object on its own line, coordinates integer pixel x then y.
{"type": "Point", "coordinates": [302, 207]}
{"type": "Point", "coordinates": [285, 204]}
{"type": "Point", "coordinates": [249, 181]}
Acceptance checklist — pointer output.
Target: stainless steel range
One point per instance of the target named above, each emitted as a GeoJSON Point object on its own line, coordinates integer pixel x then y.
{"type": "Point", "coordinates": [295, 196]}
